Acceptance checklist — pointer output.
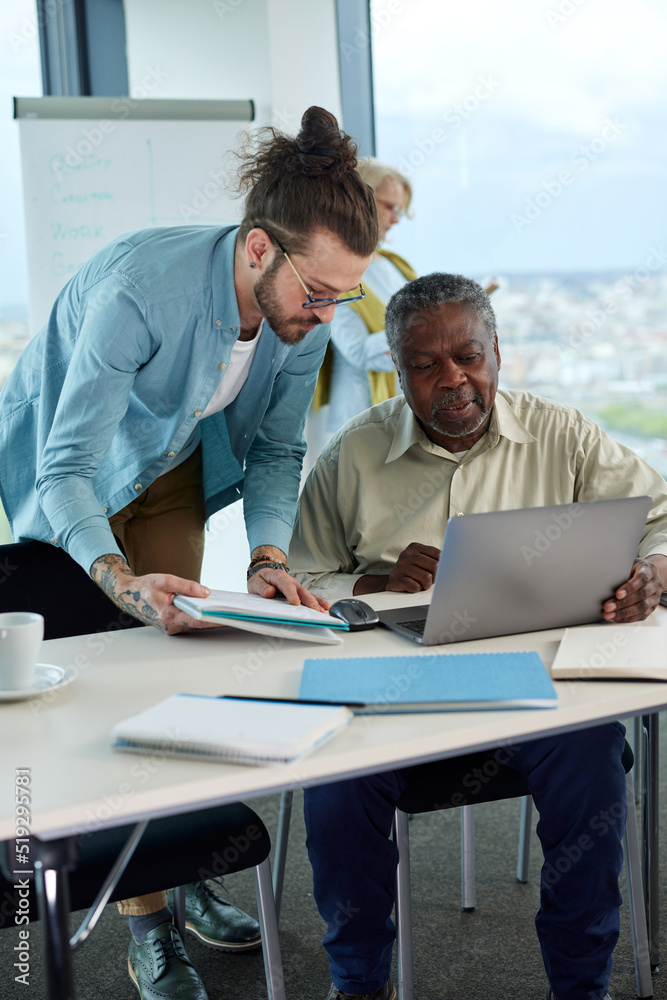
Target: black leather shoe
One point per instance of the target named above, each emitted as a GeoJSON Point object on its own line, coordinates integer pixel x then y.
{"type": "Point", "coordinates": [215, 921]}
{"type": "Point", "coordinates": [387, 992]}
{"type": "Point", "coordinates": [161, 970]}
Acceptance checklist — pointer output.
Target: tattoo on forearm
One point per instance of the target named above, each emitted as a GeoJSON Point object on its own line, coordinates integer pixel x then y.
{"type": "Point", "coordinates": [108, 572]}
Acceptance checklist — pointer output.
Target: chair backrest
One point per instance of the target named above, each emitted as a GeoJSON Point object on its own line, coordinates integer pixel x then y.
{"type": "Point", "coordinates": [35, 576]}
{"type": "Point", "coordinates": [177, 850]}
{"type": "Point", "coordinates": [473, 778]}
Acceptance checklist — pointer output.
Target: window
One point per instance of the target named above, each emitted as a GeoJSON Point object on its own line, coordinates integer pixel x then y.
{"type": "Point", "coordinates": [533, 135]}
{"type": "Point", "coordinates": [20, 75]}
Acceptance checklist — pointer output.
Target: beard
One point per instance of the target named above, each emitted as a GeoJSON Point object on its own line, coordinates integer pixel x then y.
{"type": "Point", "coordinates": [468, 425]}
{"type": "Point", "coordinates": [289, 329]}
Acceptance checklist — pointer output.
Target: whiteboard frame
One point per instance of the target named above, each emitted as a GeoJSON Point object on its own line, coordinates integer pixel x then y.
{"type": "Point", "coordinates": [129, 108]}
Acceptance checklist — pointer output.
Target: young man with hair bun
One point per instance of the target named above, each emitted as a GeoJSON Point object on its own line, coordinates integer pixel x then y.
{"type": "Point", "coordinates": [173, 377]}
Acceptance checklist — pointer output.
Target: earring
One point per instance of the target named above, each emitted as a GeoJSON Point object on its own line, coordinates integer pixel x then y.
{"type": "Point", "coordinates": [252, 265]}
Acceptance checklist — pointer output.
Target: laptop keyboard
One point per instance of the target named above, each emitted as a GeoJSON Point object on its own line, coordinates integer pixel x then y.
{"type": "Point", "coordinates": [417, 626]}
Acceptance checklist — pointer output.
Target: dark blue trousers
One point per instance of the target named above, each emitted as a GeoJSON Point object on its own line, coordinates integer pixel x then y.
{"type": "Point", "coordinates": [577, 781]}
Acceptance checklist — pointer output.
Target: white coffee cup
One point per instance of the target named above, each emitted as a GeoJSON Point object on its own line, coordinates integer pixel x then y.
{"type": "Point", "coordinates": [21, 634]}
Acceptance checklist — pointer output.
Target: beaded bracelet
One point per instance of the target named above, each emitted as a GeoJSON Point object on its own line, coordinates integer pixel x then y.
{"type": "Point", "coordinates": [261, 559]}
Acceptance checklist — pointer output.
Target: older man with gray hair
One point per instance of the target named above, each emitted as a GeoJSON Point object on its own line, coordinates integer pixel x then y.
{"type": "Point", "coordinates": [372, 517]}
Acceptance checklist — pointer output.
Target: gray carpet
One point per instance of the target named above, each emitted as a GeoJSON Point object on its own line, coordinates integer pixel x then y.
{"type": "Point", "coordinates": [491, 953]}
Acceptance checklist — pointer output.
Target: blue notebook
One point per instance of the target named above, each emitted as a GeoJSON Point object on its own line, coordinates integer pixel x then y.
{"type": "Point", "coordinates": [454, 681]}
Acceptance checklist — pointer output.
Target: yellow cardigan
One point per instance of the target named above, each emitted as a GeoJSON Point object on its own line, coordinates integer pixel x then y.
{"type": "Point", "coordinates": [372, 310]}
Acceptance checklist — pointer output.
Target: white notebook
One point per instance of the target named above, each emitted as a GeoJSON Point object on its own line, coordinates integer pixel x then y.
{"type": "Point", "coordinates": [264, 616]}
{"type": "Point", "coordinates": [235, 730]}
{"type": "Point", "coordinates": [632, 652]}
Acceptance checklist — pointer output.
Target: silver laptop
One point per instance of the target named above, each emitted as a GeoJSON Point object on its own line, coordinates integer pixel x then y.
{"type": "Point", "coordinates": [522, 570]}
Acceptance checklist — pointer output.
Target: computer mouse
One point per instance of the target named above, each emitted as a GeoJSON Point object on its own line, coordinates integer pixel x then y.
{"type": "Point", "coordinates": [357, 614]}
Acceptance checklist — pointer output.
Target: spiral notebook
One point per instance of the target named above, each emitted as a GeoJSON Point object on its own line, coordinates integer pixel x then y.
{"type": "Point", "coordinates": [448, 682]}
{"type": "Point", "coordinates": [234, 730]}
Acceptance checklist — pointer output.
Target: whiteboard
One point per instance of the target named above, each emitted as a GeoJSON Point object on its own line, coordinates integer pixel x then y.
{"type": "Point", "coordinates": [88, 180]}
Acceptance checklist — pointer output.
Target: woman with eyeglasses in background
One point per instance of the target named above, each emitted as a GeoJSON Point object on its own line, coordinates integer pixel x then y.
{"type": "Point", "coordinates": [358, 371]}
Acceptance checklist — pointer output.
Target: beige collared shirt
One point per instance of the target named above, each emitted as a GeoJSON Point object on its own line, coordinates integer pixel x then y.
{"type": "Point", "coordinates": [380, 484]}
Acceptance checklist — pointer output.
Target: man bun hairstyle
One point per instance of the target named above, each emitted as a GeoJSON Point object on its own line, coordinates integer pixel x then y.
{"type": "Point", "coordinates": [434, 290]}
{"type": "Point", "coordinates": [297, 185]}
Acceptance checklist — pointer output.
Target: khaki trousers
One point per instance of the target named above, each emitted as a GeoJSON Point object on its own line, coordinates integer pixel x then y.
{"type": "Point", "coordinates": [162, 531]}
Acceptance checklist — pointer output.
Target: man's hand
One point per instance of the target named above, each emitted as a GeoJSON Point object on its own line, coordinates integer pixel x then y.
{"type": "Point", "coordinates": [414, 569]}
{"type": "Point", "coordinates": [634, 600]}
{"type": "Point", "coordinates": [149, 598]}
{"type": "Point", "coordinates": [277, 582]}
{"type": "Point", "coordinates": [273, 582]}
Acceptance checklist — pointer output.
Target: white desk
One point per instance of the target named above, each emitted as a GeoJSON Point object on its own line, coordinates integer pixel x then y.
{"type": "Point", "coordinates": [78, 783]}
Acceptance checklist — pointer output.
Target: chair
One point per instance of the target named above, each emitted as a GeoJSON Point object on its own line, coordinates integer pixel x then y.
{"type": "Point", "coordinates": [646, 750]}
{"type": "Point", "coordinates": [468, 892]}
{"type": "Point", "coordinates": [507, 783]}
{"type": "Point", "coordinates": [43, 578]}
{"type": "Point", "coordinates": [468, 886]}
{"type": "Point", "coordinates": [106, 865]}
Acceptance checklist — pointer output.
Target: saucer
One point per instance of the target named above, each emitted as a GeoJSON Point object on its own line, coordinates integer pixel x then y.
{"type": "Point", "coordinates": [47, 678]}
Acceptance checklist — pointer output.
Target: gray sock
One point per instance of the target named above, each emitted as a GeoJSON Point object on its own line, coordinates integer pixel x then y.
{"type": "Point", "coordinates": [141, 926]}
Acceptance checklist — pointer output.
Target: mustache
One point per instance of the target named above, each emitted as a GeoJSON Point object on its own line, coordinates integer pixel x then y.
{"type": "Point", "coordinates": [452, 398]}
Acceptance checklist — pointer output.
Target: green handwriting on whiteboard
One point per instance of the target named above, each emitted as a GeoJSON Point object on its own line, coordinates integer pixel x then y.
{"type": "Point", "coordinates": [79, 199]}
{"type": "Point", "coordinates": [63, 231]}
{"type": "Point", "coordinates": [62, 267]}
{"type": "Point", "coordinates": [60, 165]}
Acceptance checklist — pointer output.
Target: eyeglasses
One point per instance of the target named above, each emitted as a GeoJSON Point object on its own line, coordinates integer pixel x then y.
{"type": "Point", "coordinates": [396, 210]}
{"type": "Point", "coordinates": [312, 302]}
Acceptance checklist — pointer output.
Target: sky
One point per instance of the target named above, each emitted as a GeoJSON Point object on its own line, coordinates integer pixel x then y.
{"type": "Point", "coordinates": [532, 130]}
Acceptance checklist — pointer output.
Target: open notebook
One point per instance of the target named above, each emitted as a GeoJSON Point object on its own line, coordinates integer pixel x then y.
{"type": "Point", "coordinates": [266, 617]}
{"type": "Point", "coordinates": [612, 652]}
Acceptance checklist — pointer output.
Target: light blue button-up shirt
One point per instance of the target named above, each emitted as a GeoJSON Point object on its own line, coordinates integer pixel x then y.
{"type": "Point", "coordinates": [116, 383]}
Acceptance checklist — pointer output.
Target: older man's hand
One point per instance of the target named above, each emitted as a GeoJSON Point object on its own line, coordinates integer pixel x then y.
{"type": "Point", "coordinates": [414, 569]}
{"type": "Point", "coordinates": [635, 599]}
